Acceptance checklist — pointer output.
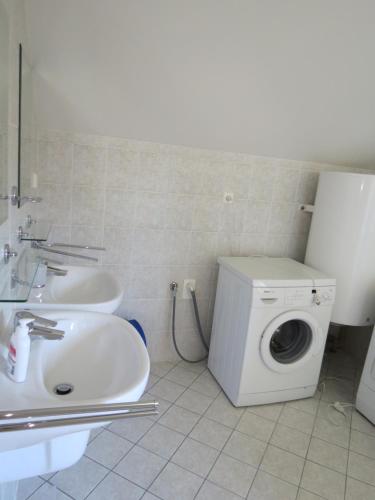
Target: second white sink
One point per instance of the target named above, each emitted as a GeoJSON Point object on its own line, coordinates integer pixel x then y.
{"type": "Point", "coordinates": [83, 288]}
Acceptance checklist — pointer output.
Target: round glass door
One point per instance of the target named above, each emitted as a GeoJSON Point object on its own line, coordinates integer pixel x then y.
{"type": "Point", "coordinates": [290, 341]}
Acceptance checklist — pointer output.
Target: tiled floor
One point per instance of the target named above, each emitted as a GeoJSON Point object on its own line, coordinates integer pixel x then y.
{"type": "Point", "coordinates": [201, 447]}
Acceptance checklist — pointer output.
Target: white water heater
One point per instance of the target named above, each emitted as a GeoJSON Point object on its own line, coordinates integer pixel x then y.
{"type": "Point", "coordinates": [342, 243]}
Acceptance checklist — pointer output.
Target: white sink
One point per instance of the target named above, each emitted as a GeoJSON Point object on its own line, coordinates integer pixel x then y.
{"type": "Point", "coordinates": [106, 361]}
{"type": "Point", "coordinates": [83, 288]}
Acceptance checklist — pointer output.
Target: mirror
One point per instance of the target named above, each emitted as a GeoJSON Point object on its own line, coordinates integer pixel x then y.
{"type": "Point", "coordinates": [4, 87]}
{"type": "Point", "coordinates": [26, 129]}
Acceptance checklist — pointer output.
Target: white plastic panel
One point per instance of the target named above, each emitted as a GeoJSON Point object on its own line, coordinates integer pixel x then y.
{"type": "Point", "coordinates": [342, 243]}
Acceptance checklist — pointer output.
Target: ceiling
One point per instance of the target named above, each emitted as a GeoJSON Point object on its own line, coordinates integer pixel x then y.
{"type": "Point", "coordinates": [291, 79]}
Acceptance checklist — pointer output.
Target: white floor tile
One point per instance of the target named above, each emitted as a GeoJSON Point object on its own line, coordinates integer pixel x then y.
{"type": "Point", "coordinates": [335, 434]}
{"type": "Point", "coordinates": [328, 454]}
{"type": "Point", "coordinates": [282, 464]}
{"type": "Point", "coordinates": [290, 440]}
{"type": "Point", "coordinates": [360, 423]}
{"type": "Point", "coordinates": [356, 490]}
{"type": "Point", "coordinates": [162, 441]}
{"type": "Point", "coordinates": [181, 376]}
{"type": "Point", "coordinates": [179, 419]}
{"type": "Point", "coordinates": [256, 426]}
{"type": "Point", "coordinates": [167, 390]}
{"type": "Point", "coordinates": [79, 480]}
{"type": "Point", "coordinates": [132, 428]}
{"type": "Point", "coordinates": [206, 384]}
{"type": "Point", "coordinates": [108, 449]}
{"type": "Point", "coordinates": [152, 379]}
{"type": "Point", "coordinates": [140, 466]}
{"type": "Point", "coordinates": [362, 443]}
{"type": "Point", "coordinates": [176, 483]}
{"type": "Point", "coordinates": [161, 368]}
{"type": "Point", "coordinates": [322, 481]}
{"type": "Point", "coordinates": [210, 491]}
{"type": "Point", "coordinates": [194, 401]}
{"type": "Point", "coordinates": [309, 405]}
{"type": "Point", "coordinates": [267, 487]}
{"type": "Point", "coordinates": [361, 468]}
{"type": "Point", "coordinates": [48, 476]}
{"type": "Point", "coordinates": [115, 487]}
{"type": "Point", "coordinates": [150, 496]}
{"type": "Point", "coordinates": [194, 367]}
{"type": "Point", "coordinates": [95, 432]}
{"type": "Point", "coordinates": [48, 492]}
{"type": "Point", "coordinates": [232, 475]}
{"type": "Point", "coordinates": [224, 412]}
{"type": "Point", "coordinates": [27, 486]}
{"type": "Point", "coordinates": [211, 433]}
{"type": "Point", "coordinates": [297, 419]}
{"type": "Point", "coordinates": [195, 457]}
{"type": "Point", "coordinates": [306, 495]}
{"type": "Point", "coordinates": [271, 412]}
{"type": "Point", "coordinates": [245, 448]}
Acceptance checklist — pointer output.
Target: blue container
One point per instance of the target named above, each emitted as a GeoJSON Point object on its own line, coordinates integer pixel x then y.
{"type": "Point", "coordinates": [139, 329]}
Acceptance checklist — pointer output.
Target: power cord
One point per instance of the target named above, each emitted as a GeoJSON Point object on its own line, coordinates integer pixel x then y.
{"type": "Point", "coordinates": [338, 406]}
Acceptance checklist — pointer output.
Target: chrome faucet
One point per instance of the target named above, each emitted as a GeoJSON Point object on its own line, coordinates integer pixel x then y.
{"type": "Point", "coordinates": [38, 326]}
{"type": "Point", "coordinates": [48, 247]}
{"type": "Point", "coordinates": [44, 269]}
{"type": "Point", "coordinates": [26, 328]}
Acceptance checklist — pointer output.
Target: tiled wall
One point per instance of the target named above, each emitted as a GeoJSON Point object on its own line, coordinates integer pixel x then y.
{"type": "Point", "coordinates": [159, 210]}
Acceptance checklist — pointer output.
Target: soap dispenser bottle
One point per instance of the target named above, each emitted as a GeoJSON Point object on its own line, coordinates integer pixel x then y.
{"type": "Point", "coordinates": [19, 351]}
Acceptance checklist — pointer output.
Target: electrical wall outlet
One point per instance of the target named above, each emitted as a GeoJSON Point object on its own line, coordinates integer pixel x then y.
{"type": "Point", "coordinates": [188, 284]}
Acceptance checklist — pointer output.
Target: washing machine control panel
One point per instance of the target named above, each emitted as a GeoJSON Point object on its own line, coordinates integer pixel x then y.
{"type": "Point", "coordinates": [294, 296]}
{"type": "Point", "coordinates": [297, 296]}
{"type": "Point", "coordinates": [324, 295]}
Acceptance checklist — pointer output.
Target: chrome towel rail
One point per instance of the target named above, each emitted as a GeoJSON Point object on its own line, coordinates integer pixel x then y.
{"type": "Point", "coordinates": [71, 245]}
{"type": "Point", "coordinates": [45, 248]}
{"type": "Point", "coordinates": [41, 418]}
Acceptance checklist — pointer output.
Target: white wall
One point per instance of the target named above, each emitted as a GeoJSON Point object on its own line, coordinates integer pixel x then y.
{"type": "Point", "coordinates": [289, 79]}
{"type": "Point", "coordinates": [159, 211]}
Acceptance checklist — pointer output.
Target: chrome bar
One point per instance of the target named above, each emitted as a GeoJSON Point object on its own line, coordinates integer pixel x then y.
{"type": "Point", "coordinates": [46, 333]}
{"type": "Point", "coordinates": [80, 415]}
{"type": "Point", "coordinates": [74, 409]}
{"type": "Point", "coordinates": [43, 259]}
{"type": "Point", "coordinates": [70, 245]}
{"type": "Point", "coordinates": [33, 317]}
{"type": "Point", "coordinates": [39, 246]}
{"type": "Point", "coordinates": [31, 199]}
{"type": "Point", "coordinates": [56, 271]}
{"type": "Point", "coordinates": [62, 422]}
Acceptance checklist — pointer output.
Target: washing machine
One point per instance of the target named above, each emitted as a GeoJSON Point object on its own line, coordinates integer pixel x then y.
{"type": "Point", "coordinates": [270, 326]}
{"type": "Point", "coordinates": [365, 400]}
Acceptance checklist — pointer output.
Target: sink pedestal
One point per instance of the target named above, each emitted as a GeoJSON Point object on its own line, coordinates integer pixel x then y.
{"type": "Point", "coordinates": [9, 491]}
{"type": "Point", "coordinates": [43, 458]}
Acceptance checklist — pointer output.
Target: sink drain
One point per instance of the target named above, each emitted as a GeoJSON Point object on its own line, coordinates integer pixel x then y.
{"type": "Point", "coordinates": [63, 389]}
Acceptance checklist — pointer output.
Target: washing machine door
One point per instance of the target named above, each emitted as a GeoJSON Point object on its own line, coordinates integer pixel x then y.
{"type": "Point", "coordinates": [290, 340]}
